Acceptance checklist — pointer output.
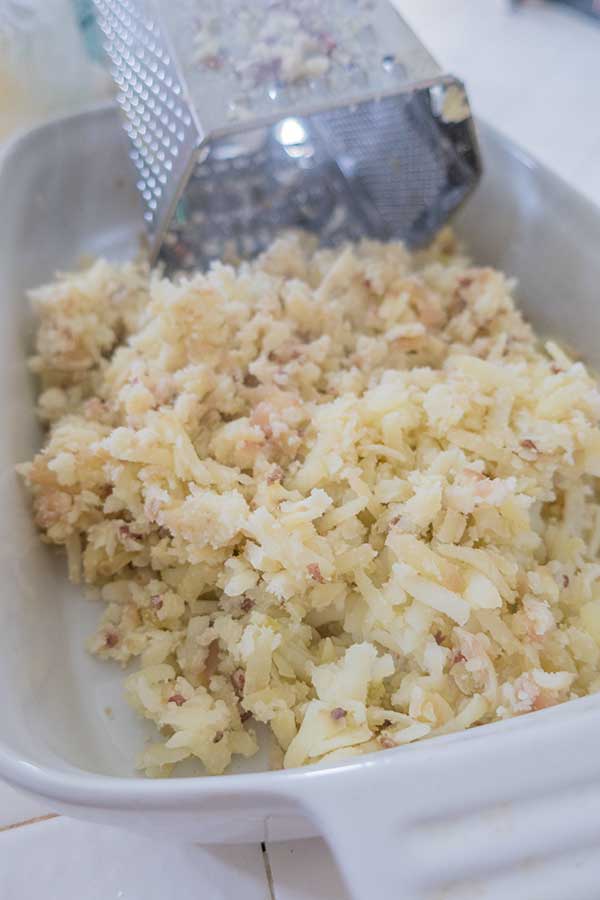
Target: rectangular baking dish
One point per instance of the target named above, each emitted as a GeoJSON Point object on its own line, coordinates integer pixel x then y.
{"type": "Point", "coordinates": [510, 809]}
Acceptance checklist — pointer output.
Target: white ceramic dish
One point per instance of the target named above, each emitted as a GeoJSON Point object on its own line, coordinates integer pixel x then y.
{"type": "Point", "coordinates": [507, 809]}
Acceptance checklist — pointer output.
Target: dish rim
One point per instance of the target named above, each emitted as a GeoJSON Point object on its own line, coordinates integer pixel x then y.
{"type": "Point", "coordinates": [126, 792]}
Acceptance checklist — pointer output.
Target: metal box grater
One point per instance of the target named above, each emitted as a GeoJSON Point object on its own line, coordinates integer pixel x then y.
{"type": "Point", "coordinates": [247, 117]}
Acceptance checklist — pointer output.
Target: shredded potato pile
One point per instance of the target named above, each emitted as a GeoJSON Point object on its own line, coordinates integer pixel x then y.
{"type": "Point", "coordinates": [345, 493]}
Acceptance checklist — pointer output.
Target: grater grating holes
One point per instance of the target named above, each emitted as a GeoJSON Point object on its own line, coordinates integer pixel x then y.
{"type": "Point", "coordinates": [158, 122]}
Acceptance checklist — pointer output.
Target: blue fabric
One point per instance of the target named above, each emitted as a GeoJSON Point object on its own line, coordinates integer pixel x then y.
{"type": "Point", "coordinates": [86, 19]}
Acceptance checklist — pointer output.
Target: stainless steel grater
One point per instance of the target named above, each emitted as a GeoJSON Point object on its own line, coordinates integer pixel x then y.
{"type": "Point", "coordinates": [247, 117]}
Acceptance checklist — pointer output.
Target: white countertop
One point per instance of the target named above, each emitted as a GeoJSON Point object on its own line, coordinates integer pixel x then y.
{"type": "Point", "coordinates": [534, 74]}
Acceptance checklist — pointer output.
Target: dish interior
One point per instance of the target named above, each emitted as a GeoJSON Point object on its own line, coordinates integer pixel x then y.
{"type": "Point", "coordinates": [67, 193]}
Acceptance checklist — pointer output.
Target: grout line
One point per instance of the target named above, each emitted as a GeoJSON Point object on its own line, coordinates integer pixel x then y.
{"type": "Point", "coordinates": [268, 871]}
{"type": "Point", "coordinates": [28, 822]}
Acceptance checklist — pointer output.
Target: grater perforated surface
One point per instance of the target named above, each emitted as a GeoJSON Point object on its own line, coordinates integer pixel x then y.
{"type": "Point", "coordinates": [159, 122]}
{"type": "Point", "coordinates": [235, 206]}
{"type": "Point", "coordinates": [404, 158]}
{"type": "Point", "coordinates": [388, 169]}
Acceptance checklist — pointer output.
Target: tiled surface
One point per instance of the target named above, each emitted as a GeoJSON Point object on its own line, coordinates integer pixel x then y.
{"type": "Point", "coordinates": [71, 860]}
{"type": "Point", "coordinates": [534, 74]}
{"type": "Point", "coordinates": [17, 807]}
{"type": "Point", "coordinates": [305, 869]}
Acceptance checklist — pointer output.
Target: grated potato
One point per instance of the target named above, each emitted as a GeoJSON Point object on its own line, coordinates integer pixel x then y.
{"type": "Point", "coordinates": [346, 493]}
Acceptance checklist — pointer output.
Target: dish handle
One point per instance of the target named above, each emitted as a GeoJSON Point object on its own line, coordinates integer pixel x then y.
{"type": "Point", "coordinates": [365, 821]}
{"type": "Point", "coordinates": [505, 812]}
